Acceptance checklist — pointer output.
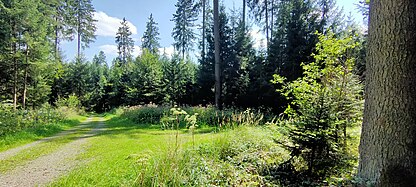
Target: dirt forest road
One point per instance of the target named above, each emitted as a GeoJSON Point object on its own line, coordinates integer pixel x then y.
{"type": "Point", "coordinates": [46, 168]}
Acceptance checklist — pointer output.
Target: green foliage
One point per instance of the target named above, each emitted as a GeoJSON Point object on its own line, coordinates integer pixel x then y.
{"type": "Point", "coordinates": [145, 115]}
{"type": "Point", "coordinates": [178, 80]}
{"type": "Point", "coordinates": [71, 102]}
{"type": "Point", "coordinates": [150, 39]}
{"type": "Point", "coordinates": [185, 16]}
{"type": "Point", "coordinates": [15, 121]}
{"type": "Point", "coordinates": [205, 117]}
{"type": "Point", "coordinates": [125, 43]}
{"type": "Point", "coordinates": [325, 102]}
{"type": "Point", "coordinates": [81, 21]}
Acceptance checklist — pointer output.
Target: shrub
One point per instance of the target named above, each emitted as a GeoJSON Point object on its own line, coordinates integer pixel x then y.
{"type": "Point", "coordinates": [14, 121]}
{"type": "Point", "coordinates": [325, 102]}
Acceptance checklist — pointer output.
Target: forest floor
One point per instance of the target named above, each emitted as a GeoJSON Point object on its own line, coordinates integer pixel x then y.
{"type": "Point", "coordinates": [40, 162]}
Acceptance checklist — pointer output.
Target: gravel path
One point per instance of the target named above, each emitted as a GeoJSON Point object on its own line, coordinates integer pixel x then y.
{"type": "Point", "coordinates": [12, 152]}
{"type": "Point", "coordinates": [45, 169]}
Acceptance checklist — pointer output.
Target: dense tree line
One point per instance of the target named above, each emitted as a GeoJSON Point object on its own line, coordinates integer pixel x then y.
{"type": "Point", "coordinates": [31, 31]}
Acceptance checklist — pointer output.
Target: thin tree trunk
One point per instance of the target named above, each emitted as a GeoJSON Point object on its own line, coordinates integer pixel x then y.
{"type": "Point", "coordinates": [57, 33]}
{"type": "Point", "coordinates": [25, 80]}
{"type": "Point", "coordinates": [244, 15]}
{"type": "Point", "coordinates": [388, 140]}
{"type": "Point", "coordinates": [217, 56]}
{"type": "Point", "coordinates": [79, 42]}
{"type": "Point", "coordinates": [267, 22]}
{"type": "Point", "coordinates": [203, 29]}
{"type": "Point", "coordinates": [271, 20]}
{"type": "Point", "coordinates": [15, 84]}
{"type": "Point", "coordinates": [15, 68]}
{"type": "Point", "coordinates": [79, 29]}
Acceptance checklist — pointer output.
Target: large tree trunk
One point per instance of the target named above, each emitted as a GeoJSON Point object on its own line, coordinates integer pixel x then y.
{"type": "Point", "coordinates": [217, 56]}
{"type": "Point", "coordinates": [388, 143]}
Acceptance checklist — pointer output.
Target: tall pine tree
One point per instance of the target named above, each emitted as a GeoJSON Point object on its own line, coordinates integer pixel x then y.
{"type": "Point", "coordinates": [82, 21]}
{"type": "Point", "coordinates": [150, 40]}
{"type": "Point", "coordinates": [125, 43]}
{"type": "Point", "coordinates": [185, 16]}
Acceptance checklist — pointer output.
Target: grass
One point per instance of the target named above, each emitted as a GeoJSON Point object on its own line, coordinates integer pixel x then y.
{"type": "Point", "coordinates": [32, 134]}
{"type": "Point", "coordinates": [41, 149]}
{"type": "Point", "coordinates": [130, 154]}
{"type": "Point", "coordinates": [114, 154]}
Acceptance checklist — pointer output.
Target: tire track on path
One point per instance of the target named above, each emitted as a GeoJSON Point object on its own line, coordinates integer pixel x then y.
{"type": "Point", "coordinates": [14, 151]}
{"type": "Point", "coordinates": [45, 169]}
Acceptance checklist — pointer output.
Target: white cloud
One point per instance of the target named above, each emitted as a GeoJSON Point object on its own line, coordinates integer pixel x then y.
{"type": "Point", "coordinates": [259, 38]}
{"type": "Point", "coordinates": [109, 49]}
{"type": "Point", "coordinates": [169, 51]}
{"type": "Point", "coordinates": [108, 26]}
{"type": "Point", "coordinates": [137, 51]}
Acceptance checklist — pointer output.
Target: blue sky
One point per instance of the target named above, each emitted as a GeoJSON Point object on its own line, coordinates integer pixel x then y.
{"type": "Point", "coordinates": [110, 12]}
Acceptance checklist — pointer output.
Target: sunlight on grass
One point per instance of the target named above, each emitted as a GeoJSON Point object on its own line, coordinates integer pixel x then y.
{"type": "Point", "coordinates": [30, 135]}
{"type": "Point", "coordinates": [41, 149]}
{"type": "Point", "coordinates": [115, 153]}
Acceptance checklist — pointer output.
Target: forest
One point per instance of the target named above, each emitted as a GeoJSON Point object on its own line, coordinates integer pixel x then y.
{"type": "Point", "coordinates": [319, 103]}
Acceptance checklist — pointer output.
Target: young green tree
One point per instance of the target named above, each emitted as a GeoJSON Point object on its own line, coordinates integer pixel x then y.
{"type": "Point", "coordinates": [326, 101]}
{"type": "Point", "coordinates": [178, 79]}
{"type": "Point", "coordinates": [185, 16]}
{"type": "Point", "coordinates": [125, 43]}
{"type": "Point", "coordinates": [145, 80]}
{"type": "Point", "coordinates": [150, 39]}
{"type": "Point", "coordinates": [98, 83]}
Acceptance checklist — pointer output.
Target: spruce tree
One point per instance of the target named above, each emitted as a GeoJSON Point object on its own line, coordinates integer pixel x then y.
{"type": "Point", "coordinates": [82, 22]}
{"type": "Point", "coordinates": [150, 40]}
{"type": "Point", "coordinates": [185, 16]}
{"type": "Point", "coordinates": [125, 43]}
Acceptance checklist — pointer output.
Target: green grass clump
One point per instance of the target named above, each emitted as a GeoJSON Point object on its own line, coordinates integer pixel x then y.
{"type": "Point", "coordinates": [231, 158]}
{"type": "Point", "coordinates": [207, 116]}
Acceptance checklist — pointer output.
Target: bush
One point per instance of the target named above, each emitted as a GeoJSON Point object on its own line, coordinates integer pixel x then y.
{"type": "Point", "coordinates": [14, 121]}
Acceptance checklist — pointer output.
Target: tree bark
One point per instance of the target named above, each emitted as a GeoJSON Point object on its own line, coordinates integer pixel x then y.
{"type": "Point", "coordinates": [244, 15]}
{"type": "Point", "coordinates": [267, 22]}
{"type": "Point", "coordinates": [217, 56]}
{"type": "Point", "coordinates": [25, 80]}
{"type": "Point", "coordinates": [388, 143]}
{"type": "Point", "coordinates": [203, 29]}
{"type": "Point", "coordinates": [15, 66]}
{"type": "Point", "coordinates": [79, 29]}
